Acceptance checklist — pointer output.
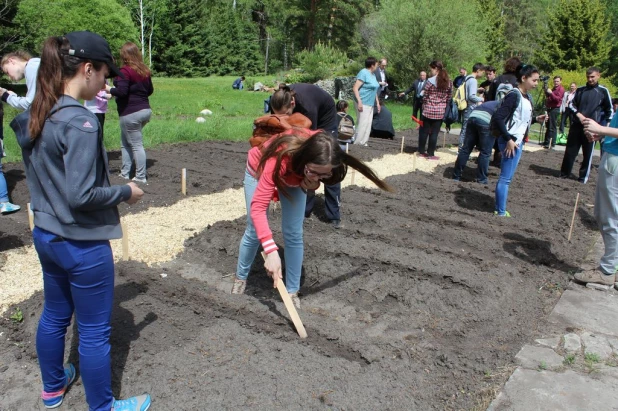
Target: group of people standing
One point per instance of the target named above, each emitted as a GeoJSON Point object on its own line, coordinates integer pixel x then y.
{"type": "Point", "coordinates": [74, 203]}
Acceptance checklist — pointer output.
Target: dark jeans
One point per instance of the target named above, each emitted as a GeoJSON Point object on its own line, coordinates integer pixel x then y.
{"type": "Point", "coordinates": [552, 126]}
{"type": "Point", "coordinates": [429, 131]}
{"type": "Point", "coordinates": [568, 114]}
{"type": "Point", "coordinates": [477, 134]}
{"type": "Point", "coordinates": [332, 201]}
{"type": "Point", "coordinates": [418, 107]}
{"type": "Point", "coordinates": [78, 277]}
{"type": "Point", "coordinates": [575, 141]}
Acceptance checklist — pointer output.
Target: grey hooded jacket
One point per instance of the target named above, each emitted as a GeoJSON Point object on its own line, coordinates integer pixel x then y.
{"type": "Point", "coordinates": [68, 176]}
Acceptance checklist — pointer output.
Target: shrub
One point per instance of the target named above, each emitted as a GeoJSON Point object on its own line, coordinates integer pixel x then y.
{"type": "Point", "coordinates": [318, 64]}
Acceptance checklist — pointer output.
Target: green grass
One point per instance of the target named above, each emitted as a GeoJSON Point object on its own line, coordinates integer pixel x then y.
{"type": "Point", "coordinates": [176, 103]}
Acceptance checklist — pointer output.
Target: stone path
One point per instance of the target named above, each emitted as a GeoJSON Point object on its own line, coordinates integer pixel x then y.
{"type": "Point", "coordinates": [576, 369]}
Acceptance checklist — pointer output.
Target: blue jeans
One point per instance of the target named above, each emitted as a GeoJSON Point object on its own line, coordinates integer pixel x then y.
{"type": "Point", "coordinates": [292, 217]}
{"type": "Point", "coordinates": [508, 166]}
{"type": "Point", "coordinates": [4, 191]}
{"type": "Point", "coordinates": [464, 124]}
{"type": "Point", "coordinates": [477, 134]}
{"type": "Point", "coordinates": [78, 276]}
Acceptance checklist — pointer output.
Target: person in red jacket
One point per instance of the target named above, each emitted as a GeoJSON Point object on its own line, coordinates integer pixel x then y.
{"type": "Point", "coordinates": [290, 164]}
{"type": "Point", "coordinates": [553, 101]}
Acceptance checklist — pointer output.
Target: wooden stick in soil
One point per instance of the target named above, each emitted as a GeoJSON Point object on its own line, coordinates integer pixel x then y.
{"type": "Point", "coordinates": [183, 182]}
{"type": "Point", "coordinates": [347, 148]}
{"type": "Point", "coordinates": [289, 305]}
{"type": "Point", "coordinates": [30, 217]}
{"type": "Point", "coordinates": [352, 175]}
{"type": "Point", "coordinates": [403, 138]}
{"type": "Point", "coordinates": [573, 219]}
{"type": "Point", "coordinates": [549, 146]}
{"type": "Point", "coordinates": [414, 161]}
{"type": "Point", "coordinates": [125, 242]}
{"type": "Point", "coordinates": [444, 140]}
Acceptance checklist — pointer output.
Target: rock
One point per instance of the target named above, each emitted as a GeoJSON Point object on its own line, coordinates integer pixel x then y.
{"type": "Point", "coordinates": [343, 88]}
{"type": "Point", "coordinates": [206, 112]}
{"type": "Point", "coordinates": [596, 344]}
{"type": "Point", "coordinates": [552, 343]}
{"type": "Point", "coordinates": [200, 120]}
{"type": "Point", "coordinates": [572, 343]}
{"type": "Point", "coordinates": [532, 357]}
{"type": "Point", "coordinates": [598, 287]}
{"type": "Point", "coordinates": [328, 86]}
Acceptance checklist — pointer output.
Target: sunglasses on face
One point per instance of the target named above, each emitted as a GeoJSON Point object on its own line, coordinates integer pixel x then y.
{"type": "Point", "coordinates": [310, 172]}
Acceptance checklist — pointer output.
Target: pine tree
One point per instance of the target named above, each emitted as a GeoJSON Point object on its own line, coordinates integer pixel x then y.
{"type": "Point", "coordinates": [577, 36]}
{"type": "Point", "coordinates": [495, 30]}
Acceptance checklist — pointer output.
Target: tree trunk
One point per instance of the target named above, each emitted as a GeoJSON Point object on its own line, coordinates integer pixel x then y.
{"type": "Point", "coordinates": [152, 23]}
{"type": "Point", "coordinates": [311, 25]}
{"type": "Point", "coordinates": [141, 24]}
{"type": "Point", "coordinates": [329, 34]}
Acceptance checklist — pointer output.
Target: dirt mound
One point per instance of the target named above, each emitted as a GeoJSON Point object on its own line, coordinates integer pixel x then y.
{"type": "Point", "coordinates": [420, 301]}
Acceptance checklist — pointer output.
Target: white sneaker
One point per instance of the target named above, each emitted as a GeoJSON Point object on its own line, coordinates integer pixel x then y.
{"type": "Point", "coordinates": [140, 180]}
{"type": "Point", "coordinates": [8, 208]}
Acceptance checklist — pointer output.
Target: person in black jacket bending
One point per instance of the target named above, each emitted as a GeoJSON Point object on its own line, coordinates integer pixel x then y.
{"type": "Point", "coordinates": [591, 101]}
{"type": "Point", "coordinates": [317, 105]}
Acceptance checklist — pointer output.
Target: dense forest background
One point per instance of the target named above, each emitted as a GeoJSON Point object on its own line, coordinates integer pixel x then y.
{"type": "Point", "coordinates": [312, 39]}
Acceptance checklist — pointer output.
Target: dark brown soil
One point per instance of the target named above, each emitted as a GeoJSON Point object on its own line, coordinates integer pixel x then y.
{"type": "Point", "coordinates": [420, 301]}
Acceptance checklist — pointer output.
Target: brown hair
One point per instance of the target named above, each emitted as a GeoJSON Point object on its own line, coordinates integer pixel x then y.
{"type": "Point", "coordinates": [319, 149]}
{"type": "Point", "coordinates": [442, 76]}
{"type": "Point", "coordinates": [19, 54]}
{"type": "Point", "coordinates": [281, 100]}
{"type": "Point", "coordinates": [132, 57]}
{"type": "Point", "coordinates": [55, 69]}
{"type": "Point", "coordinates": [510, 66]}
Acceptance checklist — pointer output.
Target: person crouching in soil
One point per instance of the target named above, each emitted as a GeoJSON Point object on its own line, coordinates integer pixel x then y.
{"type": "Point", "coordinates": [513, 119]}
{"type": "Point", "coordinates": [290, 163]}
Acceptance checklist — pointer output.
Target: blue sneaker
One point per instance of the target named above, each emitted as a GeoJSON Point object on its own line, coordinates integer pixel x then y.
{"type": "Point", "coordinates": [7, 208]}
{"type": "Point", "coordinates": [139, 403]}
{"type": "Point", "coordinates": [54, 399]}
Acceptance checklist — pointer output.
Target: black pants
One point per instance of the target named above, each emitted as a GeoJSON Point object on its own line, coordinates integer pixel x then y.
{"type": "Point", "coordinates": [429, 131]}
{"type": "Point", "coordinates": [332, 202]}
{"type": "Point", "coordinates": [575, 141]}
{"type": "Point", "coordinates": [568, 114]}
{"type": "Point", "coordinates": [418, 107]}
{"type": "Point", "coordinates": [552, 126]}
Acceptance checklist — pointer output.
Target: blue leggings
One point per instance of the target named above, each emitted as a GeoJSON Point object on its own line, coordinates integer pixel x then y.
{"type": "Point", "coordinates": [292, 218]}
{"type": "Point", "coordinates": [77, 276]}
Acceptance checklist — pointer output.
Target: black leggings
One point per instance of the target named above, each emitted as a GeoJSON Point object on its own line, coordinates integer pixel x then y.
{"type": "Point", "coordinates": [430, 131]}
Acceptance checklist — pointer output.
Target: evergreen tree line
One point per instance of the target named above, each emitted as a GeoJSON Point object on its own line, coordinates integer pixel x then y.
{"type": "Point", "coordinates": [191, 38]}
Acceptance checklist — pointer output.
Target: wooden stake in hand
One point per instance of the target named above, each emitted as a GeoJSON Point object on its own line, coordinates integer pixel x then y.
{"type": "Point", "coordinates": [125, 242]}
{"type": "Point", "coordinates": [289, 305]}
{"type": "Point", "coordinates": [403, 138]}
{"type": "Point", "coordinates": [30, 217]}
{"type": "Point", "coordinates": [573, 219]}
{"type": "Point", "coordinates": [183, 182]}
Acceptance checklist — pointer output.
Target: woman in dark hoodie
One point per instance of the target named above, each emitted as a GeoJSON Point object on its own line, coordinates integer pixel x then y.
{"type": "Point", "coordinates": [75, 216]}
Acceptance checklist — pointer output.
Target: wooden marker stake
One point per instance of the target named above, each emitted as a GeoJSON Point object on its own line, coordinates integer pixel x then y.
{"type": "Point", "coordinates": [289, 305]}
{"type": "Point", "coordinates": [347, 148]}
{"type": "Point", "coordinates": [125, 242]}
{"type": "Point", "coordinates": [352, 175]}
{"type": "Point", "coordinates": [30, 217]}
{"type": "Point", "coordinates": [549, 146]}
{"type": "Point", "coordinates": [183, 182]}
{"type": "Point", "coordinates": [402, 142]}
{"type": "Point", "coordinates": [444, 140]}
{"type": "Point", "coordinates": [573, 219]}
{"type": "Point", "coordinates": [414, 161]}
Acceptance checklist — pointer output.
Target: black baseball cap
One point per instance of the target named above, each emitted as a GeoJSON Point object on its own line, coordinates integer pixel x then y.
{"type": "Point", "coordinates": [89, 45]}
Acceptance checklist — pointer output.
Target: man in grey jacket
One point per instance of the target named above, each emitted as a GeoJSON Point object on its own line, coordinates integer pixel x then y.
{"type": "Point", "coordinates": [473, 100]}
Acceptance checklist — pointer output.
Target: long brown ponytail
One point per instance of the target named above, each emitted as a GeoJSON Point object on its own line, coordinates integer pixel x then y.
{"type": "Point", "coordinates": [442, 77]}
{"type": "Point", "coordinates": [56, 67]}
